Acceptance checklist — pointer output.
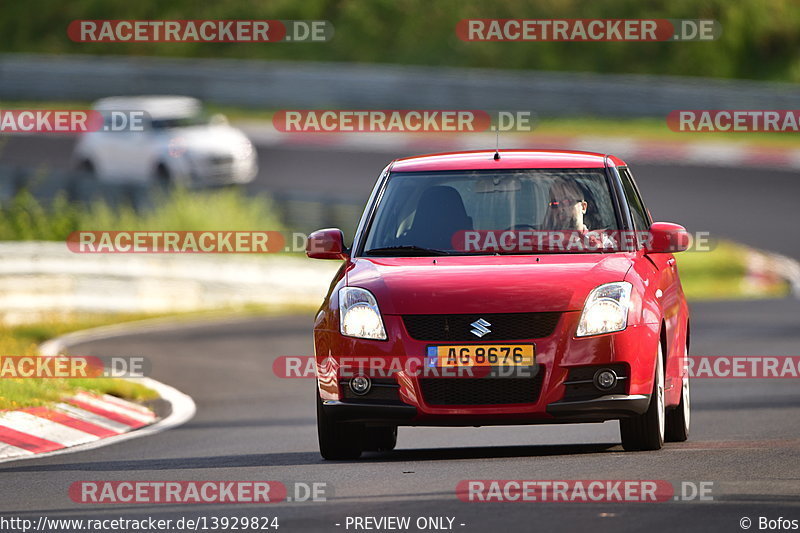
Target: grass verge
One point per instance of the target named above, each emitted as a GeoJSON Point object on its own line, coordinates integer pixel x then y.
{"type": "Point", "coordinates": [25, 218]}
{"type": "Point", "coordinates": [721, 274]}
{"type": "Point", "coordinates": [24, 340]}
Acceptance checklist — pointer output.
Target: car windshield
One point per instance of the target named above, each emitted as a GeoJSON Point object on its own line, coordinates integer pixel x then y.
{"type": "Point", "coordinates": [200, 119]}
{"type": "Point", "coordinates": [479, 212]}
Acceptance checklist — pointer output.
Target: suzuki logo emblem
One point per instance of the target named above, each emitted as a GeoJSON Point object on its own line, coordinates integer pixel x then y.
{"type": "Point", "coordinates": [480, 327]}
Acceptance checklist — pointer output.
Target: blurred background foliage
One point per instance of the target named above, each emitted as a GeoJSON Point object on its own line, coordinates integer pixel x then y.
{"type": "Point", "coordinates": [760, 39]}
{"type": "Point", "coordinates": [26, 218]}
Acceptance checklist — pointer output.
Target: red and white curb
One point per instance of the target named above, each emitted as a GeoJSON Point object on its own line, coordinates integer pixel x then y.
{"type": "Point", "coordinates": [689, 152]}
{"type": "Point", "coordinates": [79, 419]}
{"type": "Point", "coordinates": [86, 421]}
{"type": "Point", "coordinates": [764, 269]}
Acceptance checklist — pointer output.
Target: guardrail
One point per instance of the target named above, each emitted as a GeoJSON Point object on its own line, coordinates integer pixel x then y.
{"type": "Point", "coordinates": [276, 84]}
{"type": "Point", "coordinates": [40, 279]}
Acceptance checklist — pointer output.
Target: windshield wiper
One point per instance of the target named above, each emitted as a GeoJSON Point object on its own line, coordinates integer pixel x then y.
{"type": "Point", "coordinates": [405, 250]}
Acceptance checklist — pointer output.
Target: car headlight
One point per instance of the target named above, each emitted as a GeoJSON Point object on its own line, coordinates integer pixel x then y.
{"type": "Point", "coordinates": [606, 309]}
{"type": "Point", "coordinates": [359, 315]}
{"type": "Point", "coordinates": [243, 149]}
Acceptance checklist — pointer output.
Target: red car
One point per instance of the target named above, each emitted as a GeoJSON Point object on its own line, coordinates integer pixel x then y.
{"type": "Point", "coordinates": [499, 288]}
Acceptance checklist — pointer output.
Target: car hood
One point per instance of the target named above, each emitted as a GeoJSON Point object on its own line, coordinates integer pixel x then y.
{"type": "Point", "coordinates": [485, 284]}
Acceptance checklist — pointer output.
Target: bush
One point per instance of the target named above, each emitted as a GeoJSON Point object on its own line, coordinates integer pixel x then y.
{"type": "Point", "coordinates": [25, 218]}
{"type": "Point", "coordinates": [760, 38]}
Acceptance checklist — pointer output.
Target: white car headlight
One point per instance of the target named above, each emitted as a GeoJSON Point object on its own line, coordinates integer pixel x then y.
{"type": "Point", "coordinates": [359, 315]}
{"type": "Point", "coordinates": [243, 149]}
{"type": "Point", "coordinates": [606, 309]}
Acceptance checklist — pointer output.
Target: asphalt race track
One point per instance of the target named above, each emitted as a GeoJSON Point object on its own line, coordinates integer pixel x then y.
{"type": "Point", "coordinates": [252, 425]}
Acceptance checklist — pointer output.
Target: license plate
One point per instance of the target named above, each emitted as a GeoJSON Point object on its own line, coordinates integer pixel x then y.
{"type": "Point", "coordinates": [481, 355]}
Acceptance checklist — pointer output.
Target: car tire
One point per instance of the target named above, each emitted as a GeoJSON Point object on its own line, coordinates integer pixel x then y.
{"type": "Point", "coordinates": [82, 182]}
{"type": "Point", "coordinates": [646, 431]}
{"type": "Point", "coordinates": [380, 439]}
{"type": "Point", "coordinates": [679, 419]}
{"type": "Point", "coordinates": [86, 169]}
{"type": "Point", "coordinates": [163, 177]}
{"type": "Point", "coordinates": [338, 440]}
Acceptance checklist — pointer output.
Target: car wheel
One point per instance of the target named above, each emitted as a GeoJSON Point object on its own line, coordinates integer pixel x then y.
{"type": "Point", "coordinates": [163, 177]}
{"type": "Point", "coordinates": [646, 431]}
{"type": "Point", "coordinates": [81, 183]}
{"type": "Point", "coordinates": [338, 440]}
{"type": "Point", "coordinates": [380, 439]}
{"type": "Point", "coordinates": [679, 419]}
{"type": "Point", "coordinates": [86, 169]}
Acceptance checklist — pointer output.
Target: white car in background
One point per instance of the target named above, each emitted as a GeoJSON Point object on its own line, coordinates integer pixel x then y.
{"type": "Point", "coordinates": [177, 144]}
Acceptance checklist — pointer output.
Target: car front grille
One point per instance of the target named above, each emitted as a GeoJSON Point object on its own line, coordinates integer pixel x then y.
{"type": "Point", "coordinates": [221, 160]}
{"type": "Point", "coordinates": [504, 326]}
{"type": "Point", "coordinates": [482, 391]}
{"type": "Point", "coordinates": [219, 169]}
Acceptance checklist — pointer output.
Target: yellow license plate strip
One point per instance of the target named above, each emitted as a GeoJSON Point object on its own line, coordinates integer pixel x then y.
{"type": "Point", "coordinates": [481, 355]}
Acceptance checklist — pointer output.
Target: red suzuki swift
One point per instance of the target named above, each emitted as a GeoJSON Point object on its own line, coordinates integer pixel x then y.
{"type": "Point", "coordinates": [498, 288]}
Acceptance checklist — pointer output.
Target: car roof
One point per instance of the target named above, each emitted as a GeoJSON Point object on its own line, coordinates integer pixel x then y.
{"type": "Point", "coordinates": [509, 159]}
{"type": "Point", "coordinates": [156, 106]}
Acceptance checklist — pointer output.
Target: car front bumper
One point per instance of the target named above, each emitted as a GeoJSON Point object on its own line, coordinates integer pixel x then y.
{"type": "Point", "coordinates": [611, 407]}
{"type": "Point", "coordinates": [227, 172]}
{"type": "Point", "coordinates": [555, 400]}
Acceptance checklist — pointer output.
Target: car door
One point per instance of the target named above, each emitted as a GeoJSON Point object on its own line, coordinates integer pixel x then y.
{"type": "Point", "coordinates": [103, 149]}
{"type": "Point", "coordinates": [139, 156]}
{"type": "Point", "coordinates": [663, 274]}
{"type": "Point", "coordinates": [111, 152]}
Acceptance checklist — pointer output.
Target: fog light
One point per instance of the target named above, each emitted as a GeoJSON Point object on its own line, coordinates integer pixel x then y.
{"type": "Point", "coordinates": [360, 385]}
{"type": "Point", "coordinates": [605, 379]}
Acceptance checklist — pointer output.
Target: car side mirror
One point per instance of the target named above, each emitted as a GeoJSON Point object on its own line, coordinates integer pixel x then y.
{"type": "Point", "coordinates": [326, 244]}
{"type": "Point", "coordinates": [666, 237]}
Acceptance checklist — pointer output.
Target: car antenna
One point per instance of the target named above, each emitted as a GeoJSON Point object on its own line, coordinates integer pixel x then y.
{"type": "Point", "coordinates": [497, 145]}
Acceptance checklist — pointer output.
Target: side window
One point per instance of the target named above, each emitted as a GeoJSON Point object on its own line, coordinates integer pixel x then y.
{"type": "Point", "coordinates": [641, 218]}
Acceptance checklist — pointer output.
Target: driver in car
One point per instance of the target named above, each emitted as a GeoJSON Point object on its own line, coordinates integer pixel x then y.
{"type": "Point", "coordinates": [566, 217]}
{"type": "Point", "coordinates": [567, 207]}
